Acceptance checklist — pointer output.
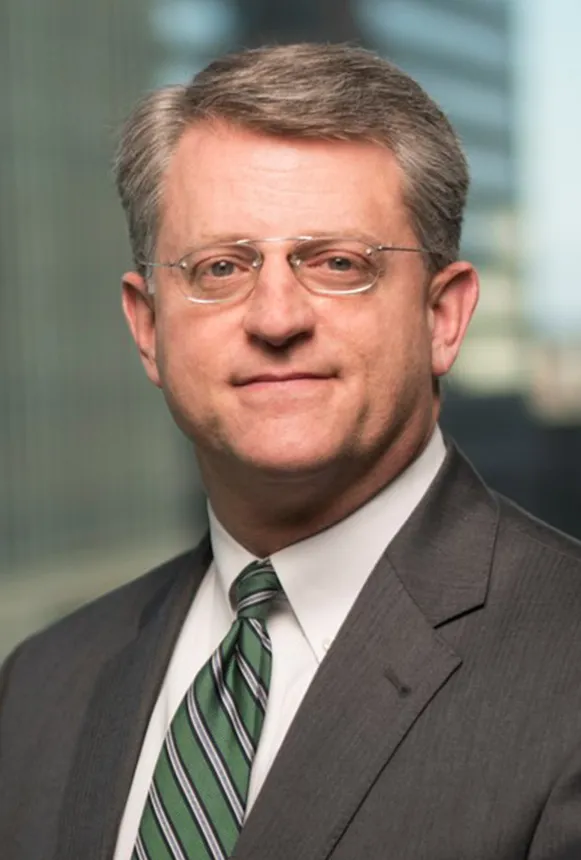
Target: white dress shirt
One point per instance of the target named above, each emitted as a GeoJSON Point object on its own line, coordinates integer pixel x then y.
{"type": "Point", "coordinates": [321, 578]}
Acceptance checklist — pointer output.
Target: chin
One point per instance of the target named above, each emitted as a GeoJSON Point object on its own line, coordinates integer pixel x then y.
{"type": "Point", "coordinates": [284, 459]}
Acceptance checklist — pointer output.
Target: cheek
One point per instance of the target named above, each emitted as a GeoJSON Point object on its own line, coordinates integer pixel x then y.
{"type": "Point", "coordinates": [394, 353]}
{"type": "Point", "coordinates": [188, 358]}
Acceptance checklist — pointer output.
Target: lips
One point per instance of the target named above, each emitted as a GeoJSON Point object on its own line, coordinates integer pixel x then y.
{"type": "Point", "coordinates": [279, 377]}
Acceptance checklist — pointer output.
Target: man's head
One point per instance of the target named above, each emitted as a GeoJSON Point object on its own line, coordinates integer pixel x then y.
{"type": "Point", "coordinates": [285, 380]}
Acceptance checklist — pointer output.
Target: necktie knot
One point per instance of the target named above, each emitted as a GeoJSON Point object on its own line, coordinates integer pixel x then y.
{"type": "Point", "coordinates": [255, 589]}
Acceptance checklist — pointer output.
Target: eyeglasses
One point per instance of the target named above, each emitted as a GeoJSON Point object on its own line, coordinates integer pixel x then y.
{"type": "Point", "coordinates": [328, 265]}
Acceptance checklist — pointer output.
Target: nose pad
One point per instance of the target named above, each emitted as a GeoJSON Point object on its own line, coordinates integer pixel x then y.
{"type": "Point", "coordinates": [293, 261]}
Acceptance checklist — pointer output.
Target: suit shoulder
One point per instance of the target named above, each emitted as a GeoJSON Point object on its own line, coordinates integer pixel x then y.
{"type": "Point", "coordinates": [522, 528]}
{"type": "Point", "coordinates": [114, 615]}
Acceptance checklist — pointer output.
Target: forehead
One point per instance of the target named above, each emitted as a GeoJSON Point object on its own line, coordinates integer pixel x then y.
{"type": "Point", "coordinates": [225, 181]}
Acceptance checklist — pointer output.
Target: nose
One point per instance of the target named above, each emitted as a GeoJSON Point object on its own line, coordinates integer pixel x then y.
{"type": "Point", "coordinates": [279, 310]}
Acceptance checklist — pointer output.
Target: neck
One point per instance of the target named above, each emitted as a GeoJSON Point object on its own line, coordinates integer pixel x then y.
{"type": "Point", "coordinates": [284, 509]}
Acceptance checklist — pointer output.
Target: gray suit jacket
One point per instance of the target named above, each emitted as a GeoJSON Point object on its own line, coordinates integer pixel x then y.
{"type": "Point", "coordinates": [443, 724]}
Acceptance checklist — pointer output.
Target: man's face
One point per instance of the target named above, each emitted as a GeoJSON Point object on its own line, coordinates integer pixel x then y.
{"type": "Point", "coordinates": [286, 381]}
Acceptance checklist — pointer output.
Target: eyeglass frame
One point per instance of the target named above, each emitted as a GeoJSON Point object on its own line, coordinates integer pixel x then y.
{"type": "Point", "coordinates": [294, 264]}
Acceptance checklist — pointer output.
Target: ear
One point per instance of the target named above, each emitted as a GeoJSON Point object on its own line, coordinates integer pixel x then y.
{"type": "Point", "coordinates": [452, 298]}
{"type": "Point", "coordinates": [139, 309]}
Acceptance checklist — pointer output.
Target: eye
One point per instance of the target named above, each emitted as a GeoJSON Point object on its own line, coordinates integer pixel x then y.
{"type": "Point", "coordinates": [338, 256]}
{"type": "Point", "coordinates": [342, 265]}
{"type": "Point", "coordinates": [217, 267]}
{"type": "Point", "coordinates": [220, 269]}
{"type": "Point", "coordinates": [339, 263]}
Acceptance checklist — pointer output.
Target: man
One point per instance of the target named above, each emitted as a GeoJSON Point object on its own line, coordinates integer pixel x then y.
{"type": "Point", "coordinates": [372, 655]}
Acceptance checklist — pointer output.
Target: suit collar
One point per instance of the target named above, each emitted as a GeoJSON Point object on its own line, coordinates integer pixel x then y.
{"type": "Point", "coordinates": [443, 554]}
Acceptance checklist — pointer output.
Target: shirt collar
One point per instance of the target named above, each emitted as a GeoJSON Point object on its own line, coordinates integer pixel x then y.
{"type": "Point", "coordinates": [322, 575]}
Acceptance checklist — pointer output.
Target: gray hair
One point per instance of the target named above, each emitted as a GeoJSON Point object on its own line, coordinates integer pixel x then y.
{"type": "Point", "coordinates": [324, 92]}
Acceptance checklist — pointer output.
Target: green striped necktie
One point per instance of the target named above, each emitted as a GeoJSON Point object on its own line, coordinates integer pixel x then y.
{"type": "Point", "coordinates": [197, 799]}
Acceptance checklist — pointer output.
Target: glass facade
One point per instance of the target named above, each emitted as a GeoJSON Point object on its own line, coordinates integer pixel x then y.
{"type": "Point", "coordinates": [461, 52]}
{"type": "Point", "coordinates": [92, 469]}
{"type": "Point", "coordinates": [96, 484]}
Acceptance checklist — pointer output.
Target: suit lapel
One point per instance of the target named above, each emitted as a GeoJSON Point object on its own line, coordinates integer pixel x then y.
{"type": "Point", "coordinates": [118, 714]}
{"type": "Point", "coordinates": [383, 669]}
{"type": "Point", "coordinates": [443, 554]}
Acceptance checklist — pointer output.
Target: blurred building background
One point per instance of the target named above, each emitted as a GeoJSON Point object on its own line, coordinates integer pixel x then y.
{"type": "Point", "coordinates": [96, 485]}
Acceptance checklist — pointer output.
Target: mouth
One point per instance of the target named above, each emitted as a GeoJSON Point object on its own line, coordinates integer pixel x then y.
{"type": "Point", "coordinates": [281, 380]}
{"type": "Point", "coordinates": [284, 387]}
